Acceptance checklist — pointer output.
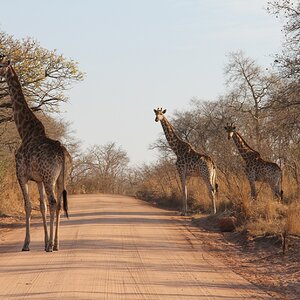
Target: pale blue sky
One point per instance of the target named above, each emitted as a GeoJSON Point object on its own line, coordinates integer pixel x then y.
{"type": "Point", "coordinates": [138, 55]}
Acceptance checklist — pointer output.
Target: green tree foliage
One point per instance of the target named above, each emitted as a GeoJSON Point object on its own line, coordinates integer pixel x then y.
{"type": "Point", "coordinates": [45, 75]}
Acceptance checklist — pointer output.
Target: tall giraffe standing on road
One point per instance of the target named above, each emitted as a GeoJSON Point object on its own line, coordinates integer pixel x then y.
{"type": "Point", "coordinates": [39, 159]}
{"type": "Point", "coordinates": [189, 161]}
{"type": "Point", "coordinates": [256, 168]}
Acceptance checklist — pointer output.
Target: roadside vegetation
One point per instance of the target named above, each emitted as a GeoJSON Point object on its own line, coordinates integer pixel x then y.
{"type": "Point", "coordinates": [264, 105]}
{"type": "Point", "coordinates": [262, 102]}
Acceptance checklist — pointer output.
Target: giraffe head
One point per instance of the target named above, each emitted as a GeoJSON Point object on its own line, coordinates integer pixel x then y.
{"type": "Point", "coordinates": [159, 113]}
{"type": "Point", "coordinates": [230, 129]}
{"type": "Point", "coordinates": [4, 63]}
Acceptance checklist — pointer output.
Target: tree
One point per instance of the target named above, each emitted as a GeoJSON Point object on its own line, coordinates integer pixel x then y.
{"type": "Point", "coordinates": [289, 60]}
{"type": "Point", "coordinates": [250, 90]}
{"type": "Point", "coordinates": [45, 75]}
{"type": "Point", "coordinates": [102, 169]}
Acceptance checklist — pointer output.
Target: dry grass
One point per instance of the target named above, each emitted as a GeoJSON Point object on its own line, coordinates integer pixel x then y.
{"type": "Point", "coordinates": [11, 202]}
{"type": "Point", "coordinates": [265, 216]}
{"type": "Point", "coordinates": [293, 219]}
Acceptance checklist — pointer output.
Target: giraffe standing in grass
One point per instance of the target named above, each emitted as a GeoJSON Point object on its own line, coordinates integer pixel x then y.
{"type": "Point", "coordinates": [189, 162]}
{"type": "Point", "coordinates": [39, 159]}
{"type": "Point", "coordinates": [256, 168]}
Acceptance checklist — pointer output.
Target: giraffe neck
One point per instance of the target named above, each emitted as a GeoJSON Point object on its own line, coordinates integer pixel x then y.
{"type": "Point", "coordinates": [28, 125]}
{"type": "Point", "coordinates": [172, 138]}
{"type": "Point", "coordinates": [245, 150]}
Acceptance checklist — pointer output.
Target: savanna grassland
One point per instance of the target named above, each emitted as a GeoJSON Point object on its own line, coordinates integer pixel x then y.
{"type": "Point", "coordinates": [264, 105]}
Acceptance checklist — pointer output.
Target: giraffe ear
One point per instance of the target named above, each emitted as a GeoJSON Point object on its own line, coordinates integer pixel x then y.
{"type": "Point", "coordinates": [164, 111]}
{"type": "Point", "coordinates": [155, 111]}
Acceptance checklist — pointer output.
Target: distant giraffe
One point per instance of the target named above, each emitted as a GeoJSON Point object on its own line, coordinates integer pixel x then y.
{"type": "Point", "coordinates": [39, 159]}
{"type": "Point", "coordinates": [256, 168]}
{"type": "Point", "coordinates": [189, 162]}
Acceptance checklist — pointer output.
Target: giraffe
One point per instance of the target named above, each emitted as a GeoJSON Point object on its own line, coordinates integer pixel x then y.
{"type": "Point", "coordinates": [38, 159]}
{"type": "Point", "coordinates": [256, 168]}
{"type": "Point", "coordinates": [189, 162]}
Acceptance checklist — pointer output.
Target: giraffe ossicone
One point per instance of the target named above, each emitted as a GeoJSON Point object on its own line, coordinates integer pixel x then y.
{"type": "Point", "coordinates": [190, 163]}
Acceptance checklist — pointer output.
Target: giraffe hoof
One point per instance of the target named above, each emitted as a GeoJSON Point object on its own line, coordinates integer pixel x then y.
{"type": "Point", "coordinates": [49, 248]}
{"type": "Point", "coordinates": [25, 249]}
{"type": "Point", "coordinates": [55, 248]}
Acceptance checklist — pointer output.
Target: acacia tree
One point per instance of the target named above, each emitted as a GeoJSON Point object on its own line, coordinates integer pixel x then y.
{"type": "Point", "coordinates": [44, 75]}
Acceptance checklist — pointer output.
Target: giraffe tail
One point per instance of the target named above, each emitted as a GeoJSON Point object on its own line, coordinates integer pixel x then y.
{"type": "Point", "coordinates": [65, 203]}
{"type": "Point", "coordinates": [65, 198]}
{"type": "Point", "coordinates": [216, 187]}
{"type": "Point", "coordinates": [281, 191]}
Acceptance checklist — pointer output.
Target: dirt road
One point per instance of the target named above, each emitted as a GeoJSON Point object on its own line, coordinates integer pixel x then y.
{"type": "Point", "coordinates": [116, 247]}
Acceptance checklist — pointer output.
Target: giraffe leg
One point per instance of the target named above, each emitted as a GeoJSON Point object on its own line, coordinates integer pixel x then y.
{"type": "Point", "coordinates": [27, 205]}
{"type": "Point", "coordinates": [56, 238]}
{"type": "Point", "coordinates": [213, 189]}
{"type": "Point", "coordinates": [184, 194]}
{"type": "Point", "coordinates": [212, 195]}
{"type": "Point", "coordinates": [253, 189]}
{"type": "Point", "coordinates": [276, 189]}
{"type": "Point", "coordinates": [43, 208]}
{"type": "Point", "coordinates": [52, 205]}
{"type": "Point", "coordinates": [58, 210]}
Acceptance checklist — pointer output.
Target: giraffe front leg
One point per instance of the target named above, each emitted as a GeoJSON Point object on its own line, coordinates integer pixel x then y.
{"type": "Point", "coordinates": [184, 195]}
{"type": "Point", "coordinates": [27, 205]}
{"type": "Point", "coordinates": [212, 189]}
{"type": "Point", "coordinates": [43, 209]}
{"type": "Point", "coordinates": [212, 194]}
{"type": "Point", "coordinates": [253, 189]}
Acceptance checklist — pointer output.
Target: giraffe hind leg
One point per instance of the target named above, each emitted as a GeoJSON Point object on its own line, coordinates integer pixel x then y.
{"type": "Point", "coordinates": [60, 189]}
{"type": "Point", "coordinates": [278, 193]}
{"type": "Point", "coordinates": [43, 208]}
{"type": "Point", "coordinates": [53, 206]}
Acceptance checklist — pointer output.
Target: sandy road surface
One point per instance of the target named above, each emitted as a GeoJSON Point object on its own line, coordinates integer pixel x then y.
{"type": "Point", "coordinates": [117, 248]}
